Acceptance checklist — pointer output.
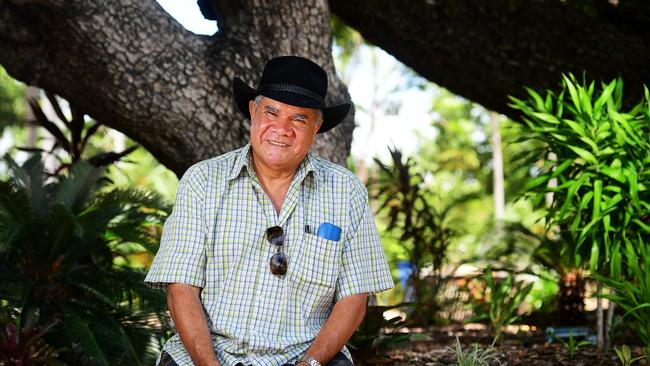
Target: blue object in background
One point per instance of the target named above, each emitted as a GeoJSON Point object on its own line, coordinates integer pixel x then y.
{"type": "Point", "coordinates": [329, 231]}
{"type": "Point", "coordinates": [404, 270]}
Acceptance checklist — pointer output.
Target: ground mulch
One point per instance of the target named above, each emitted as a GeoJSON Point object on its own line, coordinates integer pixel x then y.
{"type": "Point", "coordinates": [521, 349]}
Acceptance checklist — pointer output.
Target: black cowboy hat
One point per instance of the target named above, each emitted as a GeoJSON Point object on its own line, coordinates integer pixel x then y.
{"type": "Point", "coordinates": [292, 80]}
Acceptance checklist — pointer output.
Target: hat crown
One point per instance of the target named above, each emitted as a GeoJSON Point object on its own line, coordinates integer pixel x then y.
{"type": "Point", "coordinates": [295, 71]}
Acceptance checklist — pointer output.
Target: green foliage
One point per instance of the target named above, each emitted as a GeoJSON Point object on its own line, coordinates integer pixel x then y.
{"type": "Point", "coordinates": [422, 225]}
{"type": "Point", "coordinates": [499, 301]}
{"type": "Point", "coordinates": [624, 355]}
{"type": "Point", "coordinates": [475, 356]}
{"type": "Point", "coordinates": [12, 105]}
{"type": "Point", "coordinates": [572, 345]}
{"type": "Point", "coordinates": [347, 39]}
{"type": "Point", "coordinates": [602, 167]}
{"type": "Point", "coordinates": [65, 299]}
{"type": "Point", "coordinates": [554, 252]}
{"type": "Point", "coordinates": [74, 138]}
{"type": "Point", "coordinates": [632, 292]}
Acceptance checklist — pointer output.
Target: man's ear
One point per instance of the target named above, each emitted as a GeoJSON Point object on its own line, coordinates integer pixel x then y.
{"type": "Point", "coordinates": [251, 108]}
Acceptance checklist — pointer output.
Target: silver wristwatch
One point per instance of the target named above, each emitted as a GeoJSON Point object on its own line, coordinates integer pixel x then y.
{"type": "Point", "coordinates": [309, 360]}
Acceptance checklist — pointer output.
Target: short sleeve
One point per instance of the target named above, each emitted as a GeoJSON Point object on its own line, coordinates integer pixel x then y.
{"type": "Point", "coordinates": [364, 265]}
{"type": "Point", "coordinates": [181, 256]}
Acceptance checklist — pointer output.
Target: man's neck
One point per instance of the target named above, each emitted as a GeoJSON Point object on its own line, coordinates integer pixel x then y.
{"type": "Point", "coordinates": [275, 182]}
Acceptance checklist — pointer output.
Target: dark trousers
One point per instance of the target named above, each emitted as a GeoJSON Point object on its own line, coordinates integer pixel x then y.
{"type": "Point", "coordinates": [338, 360]}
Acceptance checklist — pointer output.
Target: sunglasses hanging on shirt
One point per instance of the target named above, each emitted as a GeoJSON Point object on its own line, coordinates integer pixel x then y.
{"type": "Point", "coordinates": [278, 263]}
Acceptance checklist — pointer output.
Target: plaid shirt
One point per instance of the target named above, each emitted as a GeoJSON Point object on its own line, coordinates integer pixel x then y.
{"type": "Point", "coordinates": [215, 239]}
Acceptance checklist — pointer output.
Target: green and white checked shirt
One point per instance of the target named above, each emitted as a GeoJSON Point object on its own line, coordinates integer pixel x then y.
{"type": "Point", "coordinates": [215, 239]}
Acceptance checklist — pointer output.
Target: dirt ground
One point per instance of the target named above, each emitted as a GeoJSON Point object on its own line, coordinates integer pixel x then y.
{"type": "Point", "coordinates": [527, 348]}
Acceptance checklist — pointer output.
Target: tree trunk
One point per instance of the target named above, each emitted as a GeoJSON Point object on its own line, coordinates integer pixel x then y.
{"type": "Point", "coordinates": [487, 50]}
{"type": "Point", "coordinates": [129, 65]}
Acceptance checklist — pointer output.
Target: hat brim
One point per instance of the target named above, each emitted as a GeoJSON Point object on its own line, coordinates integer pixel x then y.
{"type": "Point", "coordinates": [332, 115]}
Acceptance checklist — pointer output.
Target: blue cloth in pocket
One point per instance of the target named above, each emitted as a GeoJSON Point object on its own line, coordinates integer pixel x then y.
{"type": "Point", "coordinates": [329, 231]}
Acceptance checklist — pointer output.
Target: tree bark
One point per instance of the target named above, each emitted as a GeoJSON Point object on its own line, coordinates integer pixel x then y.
{"type": "Point", "coordinates": [130, 66]}
{"type": "Point", "coordinates": [487, 50]}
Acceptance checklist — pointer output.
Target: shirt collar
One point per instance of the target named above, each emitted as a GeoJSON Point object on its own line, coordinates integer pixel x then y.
{"type": "Point", "coordinates": [308, 164]}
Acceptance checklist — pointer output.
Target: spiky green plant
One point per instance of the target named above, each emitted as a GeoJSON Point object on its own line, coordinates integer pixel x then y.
{"type": "Point", "coordinates": [632, 292]}
{"type": "Point", "coordinates": [500, 301]}
{"type": "Point", "coordinates": [599, 153]}
{"type": "Point", "coordinates": [475, 356]}
{"type": "Point", "coordinates": [63, 297]}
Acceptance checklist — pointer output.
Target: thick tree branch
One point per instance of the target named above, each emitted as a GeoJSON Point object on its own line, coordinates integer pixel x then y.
{"type": "Point", "coordinates": [486, 50]}
{"type": "Point", "coordinates": [131, 66]}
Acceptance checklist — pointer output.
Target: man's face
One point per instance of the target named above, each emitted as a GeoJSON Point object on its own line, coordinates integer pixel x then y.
{"type": "Point", "coordinates": [281, 134]}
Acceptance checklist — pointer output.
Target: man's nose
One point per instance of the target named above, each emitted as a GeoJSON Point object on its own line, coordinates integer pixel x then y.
{"type": "Point", "coordinates": [281, 125]}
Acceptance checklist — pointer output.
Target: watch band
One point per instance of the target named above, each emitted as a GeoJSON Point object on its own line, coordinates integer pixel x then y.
{"type": "Point", "coordinates": [309, 360]}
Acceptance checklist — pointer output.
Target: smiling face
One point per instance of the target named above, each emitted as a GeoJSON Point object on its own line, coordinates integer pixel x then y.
{"type": "Point", "coordinates": [281, 134]}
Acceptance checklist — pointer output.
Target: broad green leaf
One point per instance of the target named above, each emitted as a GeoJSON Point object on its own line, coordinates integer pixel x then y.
{"type": "Point", "coordinates": [539, 103]}
{"type": "Point", "coordinates": [615, 262]}
{"type": "Point", "coordinates": [584, 154]}
{"type": "Point", "coordinates": [607, 151]}
{"type": "Point", "coordinates": [593, 259]}
{"type": "Point", "coordinates": [591, 144]}
{"type": "Point", "coordinates": [598, 190]}
{"type": "Point", "coordinates": [548, 103]}
{"type": "Point", "coordinates": [642, 225]}
{"type": "Point", "coordinates": [585, 99]}
{"type": "Point", "coordinates": [535, 182]}
{"type": "Point", "coordinates": [604, 96]}
{"type": "Point", "coordinates": [618, 94]}
{"type": "Point", "coordinates": [575, 186]}
{"type": "Point", "coordinates": [584, 202]}
{"type": "Point", "coordinates": [576, 127]}
{"type": "Point", "coordinates": [573, 93]}
{"type": "Point", "coordinates": [559, 137]}
{"type": "Point", "coordinates": [561, 168]}
{"type": "Point", "coordinates": [546, 117]}
{"type": "Point", "coordinates": [614, 173]}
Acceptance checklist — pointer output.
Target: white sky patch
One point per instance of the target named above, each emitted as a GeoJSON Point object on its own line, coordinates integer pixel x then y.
{"type": "Point", "coordinates": [189, 15]}
{"type": "Point", "coordinates": [389, 130]}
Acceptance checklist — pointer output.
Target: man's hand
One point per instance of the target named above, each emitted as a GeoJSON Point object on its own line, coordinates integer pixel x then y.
{"type": "Point", "coordinates": [184, 304]}
{"type": "Point", "coordinates": [346, 316]}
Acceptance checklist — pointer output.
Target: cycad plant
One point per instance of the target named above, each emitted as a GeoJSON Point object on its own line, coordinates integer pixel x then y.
{"type": "Point", "coordinates": [63, 299]}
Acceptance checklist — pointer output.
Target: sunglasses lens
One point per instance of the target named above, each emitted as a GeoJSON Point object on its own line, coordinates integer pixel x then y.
{"type": "Point", "coordinates": [279, 264]}
{"type": "Point", "coordinates": [275, 235]}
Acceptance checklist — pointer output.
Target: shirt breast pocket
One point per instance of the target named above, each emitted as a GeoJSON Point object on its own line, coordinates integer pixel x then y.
{"type": "Point", "coordinates": [313, 274]}
{"type": "Point", "coordinates": [318, 261]}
